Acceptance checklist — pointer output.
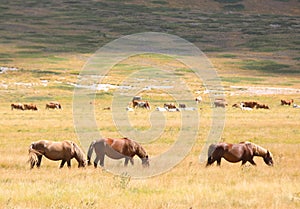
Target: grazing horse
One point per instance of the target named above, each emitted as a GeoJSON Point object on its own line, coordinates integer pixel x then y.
{"type": "Point", "coordinates": [52, 106]}
{"type": "Point", "coordinates": [249, 104]}
{"type": "Point", "coordinates": [262, 106]}
{"type": "Point", "coordinates": [56, 103]}
{"type": "Point", "coordinates": [30, 107]}
{"type": "Point", "coordinates": [141, 103]}
{"type": "Point", "coordinates": [244, 151]}
{"type": "Point", "coordinates": [117, 149]}
{"type": "Point", "coordinates": [64, 151]}
{"type": "Point", "coordinates": [170, 106]}
{"type": "Point", "coordinates": [220, 103]}
{"type": "Point", "coordinates": [287, 102]}
{"type": "Point", "coordinates": [18, 106]}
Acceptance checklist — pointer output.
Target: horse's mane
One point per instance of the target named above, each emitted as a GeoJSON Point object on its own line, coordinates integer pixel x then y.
{"type": "Point", "coordinates": [257, 150]}
{"type": "Point", "coordinates": [78, 151]}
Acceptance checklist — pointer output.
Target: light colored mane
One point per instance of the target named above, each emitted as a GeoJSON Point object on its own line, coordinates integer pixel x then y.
{"type": "Point", "coordinates": [257, 150]}
{"type": "Point", "coordinates": [79, 153]}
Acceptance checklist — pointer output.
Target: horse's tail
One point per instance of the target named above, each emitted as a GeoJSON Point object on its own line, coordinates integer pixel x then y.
{"type": "Point", "coordinates": [210, 152]}
{"type": "Point", "coordinates": [33, 156]}
{"type": "Point", "coordinates": [90, 152]}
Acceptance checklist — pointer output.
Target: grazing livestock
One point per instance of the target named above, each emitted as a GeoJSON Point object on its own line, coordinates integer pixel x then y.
{"type": "Point", "coordinates": [262, 106]}
{"type": "Point", "coordinates": [52, 106]}
{"type": "Point", "coordinates": [170, 106]}
{"type": "Point", "coordinates": [198, 99]}
{"type": "Point", "coordinates": [243, 107]}
{"type": "Point", "coordinates": [117, 149]}
{"type": "Point", "coordinates": [18, 106]}
{"type": "Point", "coordinates": [220, 103]}
{"type": "Point", "coordinates": [57, 104]}
{"type": "Point", "coordinates": [141, 104]}
{"type": "Point", "coordinates": [287, 102]}
{"type": "Point", "coordinates": [250, 104]}
{"type": "Point", "coordinates": [182, 105]}
{"type": "Point", "coordinates": [30, 107]}
{"type": "Point", "coordinates": [64, 151]}
{"type": "Point", "coordinates": [296, 106]}
{"type": "Point", "coordinates": [244, 151]}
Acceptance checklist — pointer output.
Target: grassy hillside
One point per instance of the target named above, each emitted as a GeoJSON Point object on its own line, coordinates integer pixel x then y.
{"type": "Point", "coordinates": [254, 47]}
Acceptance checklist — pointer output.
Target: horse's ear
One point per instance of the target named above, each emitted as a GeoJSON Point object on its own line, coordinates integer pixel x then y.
{"type": "Point", "coordinates": [268, 153]}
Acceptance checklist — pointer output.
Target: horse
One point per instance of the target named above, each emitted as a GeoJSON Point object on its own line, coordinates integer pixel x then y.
{"type": "Point", "coordinates": [117, 149]}
{"type": "Point", "coordinates": [18, 106]}
{"type": "Point", "coordinates": [30, 107]}
{"type": "Point", "coordinates": [170, 106]}
{"type": "Point", "coordinates": [52, 106]}
{"type": "Point", "coordinates": [244, 151]}
{"type": "Point", "coordinates": [57, 104]}
{"type": "Point", "coordinates": [249, 104]}
{"type": "Point", "coordinates": [262, 106]}
{"type": "Point", "coordinates": [141, 103]}
{"type": "Point", "coordinates": [220, 103]}
{"type": "Point", "coordinates": [287, 102]}
{"type": "Point", "coordinates": [64, 151]}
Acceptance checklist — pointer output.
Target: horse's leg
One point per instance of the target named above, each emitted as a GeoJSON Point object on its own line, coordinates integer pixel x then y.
{"type": "Point", "coordinates": [102, 160]}
{"type": "Point", "coordinates": [69, 163]}
{"type": "Point", "coordinates": [219, 162]}
{"type": "Point", "coordinates": [126, 161]}
{"type": "Point", "coordinates": [210, 161]}
{"type": "Point", "coordinates": [38, 164]}
{"type": "Point", "coordinates": [96, 161]}
{"type": "Point", "coordinates": [62, 163]}
{"type": "Point", "coordinates": [252, 162]}
{"type": "Point", "coordinates": [131, 161]}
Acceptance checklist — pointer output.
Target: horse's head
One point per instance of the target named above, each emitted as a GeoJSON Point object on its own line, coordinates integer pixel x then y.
{"type": "Point", "coordinates": [268, 159]}
{"type": "Point", "coordinates": [145, 161]}
{"type": "Point", "coordinates": [79, 156]}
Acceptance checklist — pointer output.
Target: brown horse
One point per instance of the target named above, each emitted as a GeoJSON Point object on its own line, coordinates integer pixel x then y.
{"type": "Point", "coordinates": [244, 151]}
{"type": "Point", "coordinates": [287, 102]}
{"type": "Point", "coordinates": [30, 107]}
{"type": "Point", "coordinates": [18, 106]}
{"type": "Point", "coordinates": [64, 151]}
{"type": "Point", "coordinates": [52, 106]}
{"type": "Point", "coordinates": [141, 104]}
{"type": "Point", "coordinates": [117, 149]}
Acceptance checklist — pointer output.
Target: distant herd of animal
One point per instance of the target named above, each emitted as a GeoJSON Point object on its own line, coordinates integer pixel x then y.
{"type": "Point", "coordinates": [137, 102]}
{"type": "Point", "coordinates": [30, 106]}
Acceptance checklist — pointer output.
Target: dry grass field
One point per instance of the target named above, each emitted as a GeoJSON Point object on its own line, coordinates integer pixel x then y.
{"type": "Point", "coordinates": [189, 184]}
{"type": "Point", "coordinates": [254, 48]}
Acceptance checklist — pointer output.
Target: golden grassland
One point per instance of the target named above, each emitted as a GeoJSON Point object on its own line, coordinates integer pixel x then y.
{"type": "Point", "coordinates": [189, 184]}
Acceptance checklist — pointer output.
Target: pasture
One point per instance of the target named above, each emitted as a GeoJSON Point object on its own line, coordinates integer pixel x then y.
{"type": "Point", "coordinates": [189, 184]}
{"type": "Point", "coordinates": [254, 50]}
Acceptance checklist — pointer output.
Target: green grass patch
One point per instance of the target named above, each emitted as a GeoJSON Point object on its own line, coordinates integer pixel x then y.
{"type": "Point", "coordinates": [253, 80]}
{"type": "Point", "coordinates": [227, 56]}
{"type": "Point", "coordinates": [267, 66]}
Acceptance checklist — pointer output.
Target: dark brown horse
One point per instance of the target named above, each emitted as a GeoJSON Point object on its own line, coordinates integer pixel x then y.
{"type": "Point", "coordinates": [64, 151]}
{"type": "Point", "coordinates": [244, 151]}
{"type": "Point", "coordinates": [18, 106]}
{"type": "Point", "coordinates": [117, 149]}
